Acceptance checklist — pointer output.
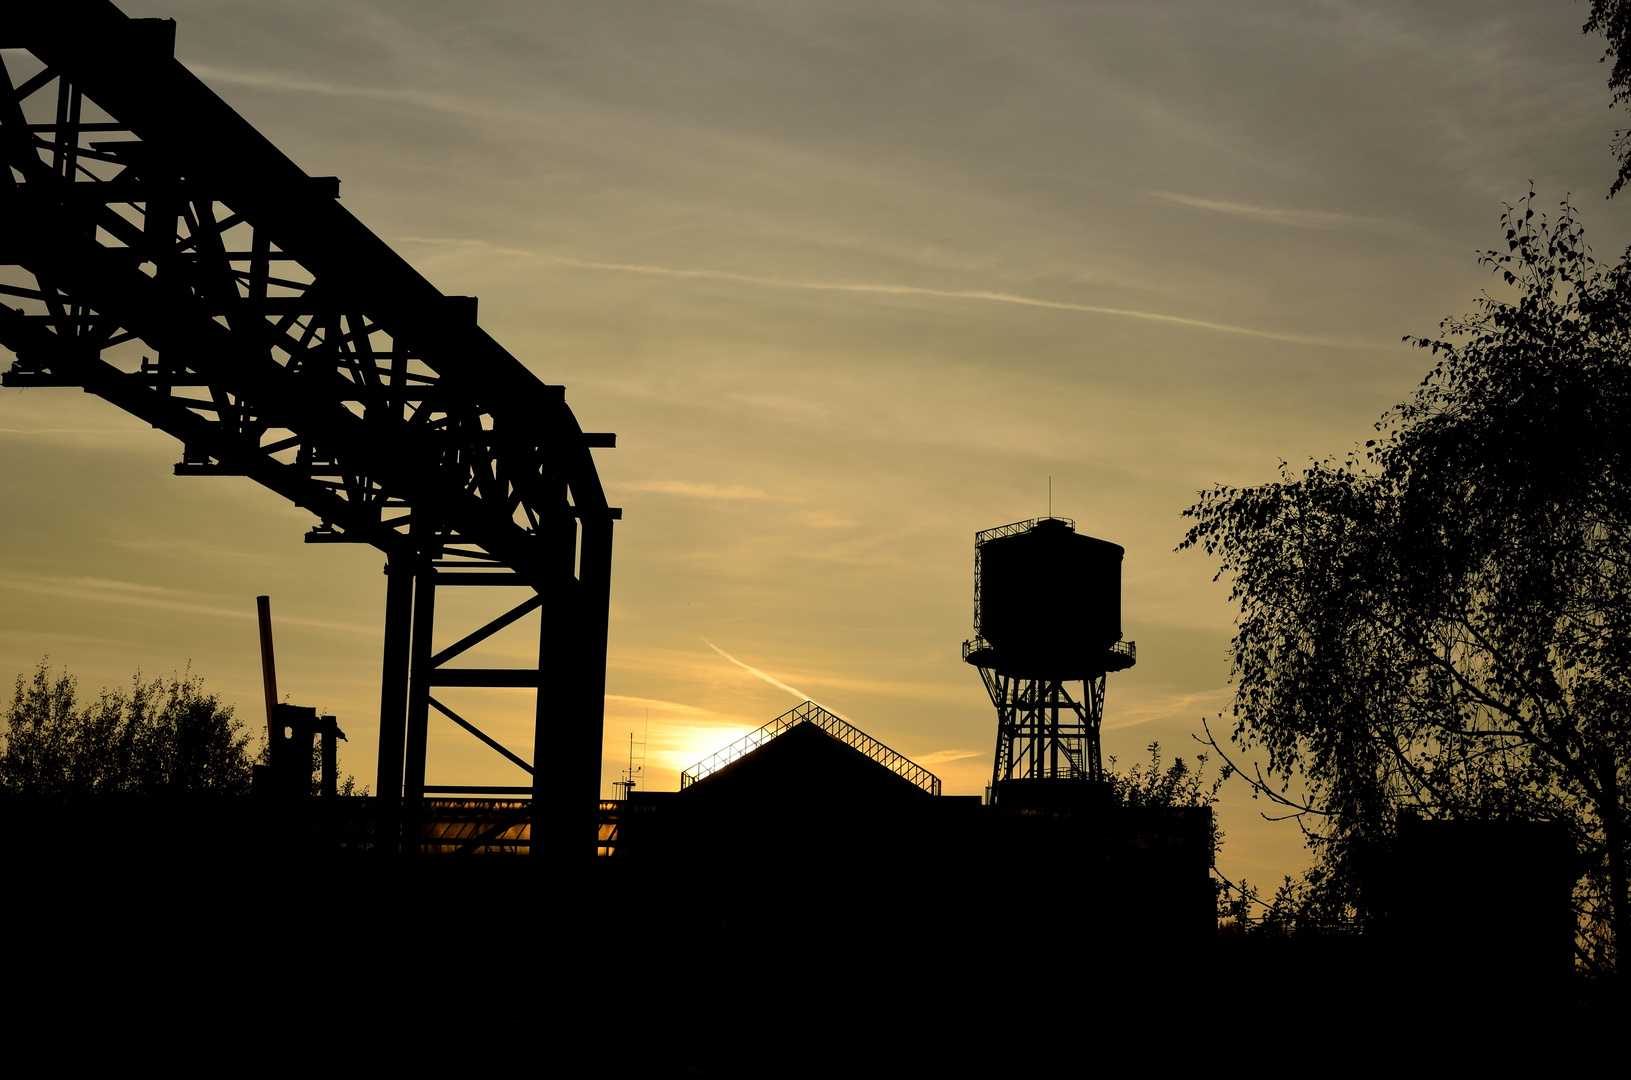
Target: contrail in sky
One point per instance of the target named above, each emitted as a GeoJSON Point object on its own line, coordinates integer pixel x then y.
{"type": "Point", "coordinates": [68, 431]}
{"type": "Point", "coordinates": [1302, 219]}
{"type": "Point", "coordinates": [950, 294]}
{"type": "Point", "coordinates": [771, 679]}
{"type": "Point", "coordinates": [984, 295]}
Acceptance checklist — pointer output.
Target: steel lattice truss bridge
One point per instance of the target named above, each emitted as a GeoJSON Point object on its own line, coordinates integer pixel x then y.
{"type": "Point", "coordinates": [159, 252]}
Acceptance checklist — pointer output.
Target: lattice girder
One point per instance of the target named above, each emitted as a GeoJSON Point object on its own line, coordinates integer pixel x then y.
{"type": "Point", "coordinates": [288, 343]}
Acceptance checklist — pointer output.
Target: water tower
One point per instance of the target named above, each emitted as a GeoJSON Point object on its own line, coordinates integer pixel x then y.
{"type": "Point", "coordinates": [1047, 614]}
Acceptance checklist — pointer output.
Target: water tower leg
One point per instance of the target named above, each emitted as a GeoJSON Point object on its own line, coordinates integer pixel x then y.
{"type": "Point", "coordinates": [1092, 718]}
{"type": "Point", "coordinates": [1043, 732]}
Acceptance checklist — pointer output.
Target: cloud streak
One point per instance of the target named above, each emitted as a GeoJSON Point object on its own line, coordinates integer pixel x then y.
{"type": "Point", "coordinates": [294, 84]}
{"type": "Point", "coordinates": [980, 295]}
{"type": "Point", "coordinates": [886, 289]}
{"type": "Point", "coordinates": [756, 673]}
{"type": "Point", "coordinates": [1297, 219]}
{"type": "Point", "coordinates": [943, 757]}
{"type": "Point", "coordinates": [1168, 706]}
{"type": "Point", "coordinates": [701, 491]}
{"type": "Point", "coordinates": [102, 591]}
{"type": "Point", "coordinates": [70, 431]}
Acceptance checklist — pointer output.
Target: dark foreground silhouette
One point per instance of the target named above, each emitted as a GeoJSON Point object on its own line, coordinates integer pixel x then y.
{"type": "Point", "coordinates": [761, 931]}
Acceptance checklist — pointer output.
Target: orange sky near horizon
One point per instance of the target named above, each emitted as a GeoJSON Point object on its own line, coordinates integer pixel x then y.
{"type": "Point", "coordinates": [851, 282]}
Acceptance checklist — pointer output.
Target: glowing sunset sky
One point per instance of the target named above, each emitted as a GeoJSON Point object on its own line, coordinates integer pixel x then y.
{"type": "Point", "coordinates": [850, 281]}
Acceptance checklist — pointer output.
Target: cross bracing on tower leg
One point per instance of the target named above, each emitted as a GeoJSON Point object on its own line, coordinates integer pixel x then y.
{"type": "Point", "coordinates": [1043, 733]}
{"type": "Point", "coordinates": [158, 251]}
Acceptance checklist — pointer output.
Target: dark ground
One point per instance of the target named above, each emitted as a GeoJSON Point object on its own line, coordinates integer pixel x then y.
{"type": "Point", "coordinates": [489, 963]}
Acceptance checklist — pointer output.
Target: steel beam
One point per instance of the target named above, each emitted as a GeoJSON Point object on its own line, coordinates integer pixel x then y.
{"type": "Point", "coordinates": [393, 702]}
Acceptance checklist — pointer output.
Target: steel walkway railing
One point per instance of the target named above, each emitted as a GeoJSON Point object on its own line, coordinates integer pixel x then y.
{"type": "Point", "coordinates": [837, 727]}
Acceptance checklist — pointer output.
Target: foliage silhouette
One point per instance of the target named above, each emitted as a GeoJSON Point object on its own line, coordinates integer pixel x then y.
{"type": "Point", "coordinates": [1440, 622]}
{"type": "Point", "coordinates": [158, 737]}
{"type": "Point", "coordinates": [1612, 19]}
{"type": "Point", "coordinates": [1177, 785]}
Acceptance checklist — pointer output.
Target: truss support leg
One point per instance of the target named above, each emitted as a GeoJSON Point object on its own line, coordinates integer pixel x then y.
{"type": "Point", "coordinates": [595, 580]}
{"type": "Point", "coordinates": [393, 704]}
{"type": "Point", "coordinates": [571, 714]}
{"type": "Point", "coordinates": [419, 677]}
{"type": "Point", "coordinates": [552, 733]}
{"type": "Point", "coordinates": [552, 727]}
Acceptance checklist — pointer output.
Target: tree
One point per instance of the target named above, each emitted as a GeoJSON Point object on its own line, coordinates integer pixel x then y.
{"type": "Point", "coordinates": [1441, 621]}
{"type": "Point", "coordinates": [157, 737]}
{"type": "Point", "coordinates": [1612, 19]}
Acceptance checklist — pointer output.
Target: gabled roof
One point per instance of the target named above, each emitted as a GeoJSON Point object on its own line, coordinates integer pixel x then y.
{"type": "Point", "coordinates": [810, 747]}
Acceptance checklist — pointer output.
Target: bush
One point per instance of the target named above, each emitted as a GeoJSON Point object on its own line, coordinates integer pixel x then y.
{"type": "Point", "coordinates": [158, 737]}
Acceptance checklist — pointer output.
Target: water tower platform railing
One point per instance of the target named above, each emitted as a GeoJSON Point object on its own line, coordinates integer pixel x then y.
{"type": "Point", "coordinates": [978, 651]}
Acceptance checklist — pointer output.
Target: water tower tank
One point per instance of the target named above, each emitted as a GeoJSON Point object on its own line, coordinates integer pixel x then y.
{"type": "Point", "coordinates": [1049, 602]}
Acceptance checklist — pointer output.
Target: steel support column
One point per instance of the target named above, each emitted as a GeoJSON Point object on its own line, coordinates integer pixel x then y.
{"type": "Point", "coordinates": [393, 703]}
{"type": "Point", "coordinates": [582, 781]}
{"type": "Point", "coordinates": [419, 676]}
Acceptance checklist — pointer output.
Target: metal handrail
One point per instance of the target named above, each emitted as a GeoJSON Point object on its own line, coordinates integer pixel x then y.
{"type": "Point", "coordinates": [1129, 649]}
{"type": "Point", "coordinates": [1018, 527]}
{"type": "Point", "coordinates": [982, 538]}
{"type": "Point", "coordinates": [837, 727]}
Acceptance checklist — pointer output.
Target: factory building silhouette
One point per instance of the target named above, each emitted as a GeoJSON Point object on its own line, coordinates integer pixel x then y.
{"type": "Point", "coordinates": [811, 797]}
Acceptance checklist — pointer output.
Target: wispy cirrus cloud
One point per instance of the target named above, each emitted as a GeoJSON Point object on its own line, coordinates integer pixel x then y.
{"type": "Point", "coordinates": [990, 296]}
{"type": "Point", "coordinates": [283, 82]}
{"type": "Point", "coordinates": [692, 490]}
{"type": "Point", "coordinates": [1277, 215]}
{"type": "Point", "coordinates": [103, 591]}
{"type": "Point", "coordinates": [943, 757]}
{"type": "Point", "coordinates": [72, 431]}
{"type": "Point", "coordinates": [1168, 706]}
